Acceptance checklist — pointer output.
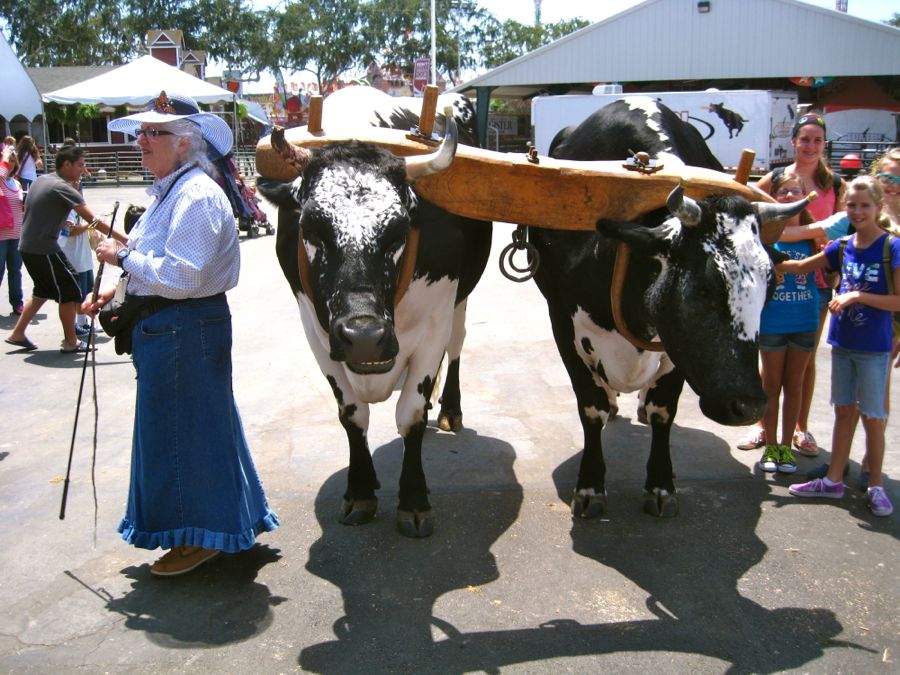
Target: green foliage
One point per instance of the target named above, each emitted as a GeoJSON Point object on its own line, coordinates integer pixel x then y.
{"type": "Point", "coordinates": [502, 42]}
{"type": "Point", "coordinates": [325, 37]}
{"type": "Point", "coordinates": [893, 21]}
{"type": "Point", "coordinates": [71, 115]}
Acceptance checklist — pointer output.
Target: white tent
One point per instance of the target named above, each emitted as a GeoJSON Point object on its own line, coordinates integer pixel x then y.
{"type": "Point", "coordinates": [20, 96]}
{"type": "Point", "coordinates": [136, 83]}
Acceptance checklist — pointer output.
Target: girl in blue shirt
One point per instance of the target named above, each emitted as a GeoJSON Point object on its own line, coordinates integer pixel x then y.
{"type": "Point", "coordinates": [787, 338]}
{"type": "Point", "coordinates": [861, 340]}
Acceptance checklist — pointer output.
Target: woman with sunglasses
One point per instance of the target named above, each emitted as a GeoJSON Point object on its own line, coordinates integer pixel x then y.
{"type": "Point", "coordinates": [194, 488]}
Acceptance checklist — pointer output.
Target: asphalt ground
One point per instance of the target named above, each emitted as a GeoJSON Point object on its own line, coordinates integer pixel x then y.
{"type": "Point", "coordinates": [745, 579]}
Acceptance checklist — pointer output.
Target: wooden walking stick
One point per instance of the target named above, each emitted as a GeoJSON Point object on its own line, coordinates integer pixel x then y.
{"type": "Point", "coordinates": [95, 292]}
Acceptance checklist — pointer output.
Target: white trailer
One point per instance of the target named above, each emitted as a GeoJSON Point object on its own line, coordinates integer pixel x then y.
{"type": "Point", "coordinates": [729, 121]}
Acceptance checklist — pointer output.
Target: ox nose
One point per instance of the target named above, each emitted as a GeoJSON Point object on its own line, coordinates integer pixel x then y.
{"type": "Point", "coordinates": [734, 410]}
{"type": "Point", "coordinates": [363, 339]}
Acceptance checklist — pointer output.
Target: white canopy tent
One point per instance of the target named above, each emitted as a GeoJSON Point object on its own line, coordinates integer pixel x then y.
{"type": "Point", "coordinates": [20, 96]}
{"type": "Point", "coordinates": [138, 82]}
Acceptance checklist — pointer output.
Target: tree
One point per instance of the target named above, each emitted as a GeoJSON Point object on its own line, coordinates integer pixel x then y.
{"type": "Point", "coordinates": [893, 21]}
{"type": "Point", "coordinates": [322, 37]}
{"type": "Point", "coordinates": [399, 31]}
{"type": "Point", "coordinates": [502, 42]}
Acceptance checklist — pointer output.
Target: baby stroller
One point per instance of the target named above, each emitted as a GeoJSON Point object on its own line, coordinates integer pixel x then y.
{"type": "Point", "coordinates": [244, 201]}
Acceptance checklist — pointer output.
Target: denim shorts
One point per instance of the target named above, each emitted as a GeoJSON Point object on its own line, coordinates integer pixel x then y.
{"type": "Point", "coordinates": [859, 377]}
{"type": "Point", "coordinates": [779, 342]}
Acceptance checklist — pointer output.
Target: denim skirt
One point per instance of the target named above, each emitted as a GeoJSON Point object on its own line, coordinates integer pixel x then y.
{"type": "Point", "coordinates": [193, 482]}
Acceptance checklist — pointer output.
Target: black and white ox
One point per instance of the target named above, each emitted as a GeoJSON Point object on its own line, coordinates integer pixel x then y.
{"type": "Point", "coordinates": [350, 215]}
{"type": "Point", "coordinates": [698, 279]}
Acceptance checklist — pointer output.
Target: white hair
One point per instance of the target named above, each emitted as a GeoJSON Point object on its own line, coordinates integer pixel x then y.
{"type": "Point", "coordinates": [197, 150]}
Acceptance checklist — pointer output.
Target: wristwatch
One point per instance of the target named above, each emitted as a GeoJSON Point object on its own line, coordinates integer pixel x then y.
{"type": "Point", "coordinates": [121, 254]}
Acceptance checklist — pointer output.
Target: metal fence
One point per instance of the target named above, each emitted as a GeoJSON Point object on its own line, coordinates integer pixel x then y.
{"type": "Point", "coordinates": [866, 149]}
{"type": "Point", "coordinates": [115, 168]}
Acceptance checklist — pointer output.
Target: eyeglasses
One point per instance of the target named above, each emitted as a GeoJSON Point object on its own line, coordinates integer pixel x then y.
{"type": "Point", "coordinates": [789, 192]}
{"type": "Point", "coordinates": [888, 178]}
{"type": "Point", "coordinates": [152, 133]}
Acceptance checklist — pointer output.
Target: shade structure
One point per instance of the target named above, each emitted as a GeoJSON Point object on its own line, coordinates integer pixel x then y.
{"type": "Point", "coordinates": [20, 96]}
{"type": "Point", "coordinates": [136, 83]}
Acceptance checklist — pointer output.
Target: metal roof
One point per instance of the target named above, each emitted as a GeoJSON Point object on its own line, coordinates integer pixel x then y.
{"type": "Point", "coordinates": [51, 78]}
{"type": "Point", "coordinates": [741, 39]}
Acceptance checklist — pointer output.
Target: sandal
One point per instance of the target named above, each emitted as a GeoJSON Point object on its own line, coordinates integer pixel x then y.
{"type": "Point", "coordinates": [81, 348]}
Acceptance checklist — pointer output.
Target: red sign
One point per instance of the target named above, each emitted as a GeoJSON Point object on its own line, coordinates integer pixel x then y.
{"type": "Point", "coordinates": [421, 75]}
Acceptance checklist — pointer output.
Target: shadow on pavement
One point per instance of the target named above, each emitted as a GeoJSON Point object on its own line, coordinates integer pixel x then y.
{"type": "Point", "coordinates": [689, 567]}
{"type": "Point", "coordinates": [218, 604]}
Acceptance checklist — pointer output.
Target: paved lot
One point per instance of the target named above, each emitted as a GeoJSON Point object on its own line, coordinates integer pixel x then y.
{"type": "Point", "coordinates": [746, 579]}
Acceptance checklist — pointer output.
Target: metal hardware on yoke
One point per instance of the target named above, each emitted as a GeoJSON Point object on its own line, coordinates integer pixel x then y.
{"type": "Point", "coordinates": [532, 155]}
{"type": "Point", "coordinates": [642, 163]}
{"type": "Point", "coordinates": [519, 243]}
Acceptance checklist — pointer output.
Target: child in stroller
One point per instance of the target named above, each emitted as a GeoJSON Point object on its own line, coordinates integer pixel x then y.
{"type": "Point", "coordinates": [244, 201]}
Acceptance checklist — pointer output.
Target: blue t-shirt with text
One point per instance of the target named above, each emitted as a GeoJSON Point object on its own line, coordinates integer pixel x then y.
{"type": "Point", "coordinates": [861, 327]}
{"type": "Point", "coordinates": [794, 306]}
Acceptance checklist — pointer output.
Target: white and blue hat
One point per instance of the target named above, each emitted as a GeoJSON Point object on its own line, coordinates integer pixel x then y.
{"type": "Point", "coordinates": [168, 108]}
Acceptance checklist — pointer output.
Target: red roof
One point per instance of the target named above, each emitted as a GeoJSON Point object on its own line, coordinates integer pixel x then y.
{"type": "Point", "coordinates": [859, 92]}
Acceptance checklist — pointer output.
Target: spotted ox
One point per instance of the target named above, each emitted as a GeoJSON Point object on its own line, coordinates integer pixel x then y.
{"type": "Point", "coordinates": [345, 227]}
{"type": "Point", "coordinates": [698, 278]}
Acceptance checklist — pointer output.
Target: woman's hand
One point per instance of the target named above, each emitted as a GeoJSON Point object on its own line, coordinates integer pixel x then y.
{"type": "Point", "coordinates": [91, 308]}
{"type": "Point", "coordinates": [107, 249]}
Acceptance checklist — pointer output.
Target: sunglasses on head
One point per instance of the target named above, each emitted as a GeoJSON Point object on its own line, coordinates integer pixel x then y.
{"type": "Point", "coordinates": [888, 178]}
{"type": "Point", "coordinates": [152, 133]}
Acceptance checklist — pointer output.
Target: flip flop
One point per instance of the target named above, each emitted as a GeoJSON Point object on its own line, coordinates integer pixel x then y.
{"type": "Point", "coordinates": [25, 345]}
{"type": "Point", "coordinates": [80, 349]}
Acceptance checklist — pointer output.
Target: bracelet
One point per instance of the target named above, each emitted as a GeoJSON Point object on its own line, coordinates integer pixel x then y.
{"type": "Point", "coordinates": [93, 224]}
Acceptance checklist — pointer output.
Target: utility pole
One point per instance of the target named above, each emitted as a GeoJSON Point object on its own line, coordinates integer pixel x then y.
{"type": "Point", "coordinates": [537, 13]}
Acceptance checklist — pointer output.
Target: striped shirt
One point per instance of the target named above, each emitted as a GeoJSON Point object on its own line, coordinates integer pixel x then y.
{"type": "Point", "coordinates": [14, 198]}
{"type": "Point", "coordinates": [186, 243]}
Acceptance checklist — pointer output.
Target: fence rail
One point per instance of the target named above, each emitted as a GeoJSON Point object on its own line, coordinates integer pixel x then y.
{"type": "Point", "coordinates": [123, 167]}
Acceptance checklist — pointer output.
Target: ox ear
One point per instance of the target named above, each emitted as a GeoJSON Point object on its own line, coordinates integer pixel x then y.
{"type": "Point", "coordinates": [645, 240]}
{"type": "Point", "coordinates": [279, 192]}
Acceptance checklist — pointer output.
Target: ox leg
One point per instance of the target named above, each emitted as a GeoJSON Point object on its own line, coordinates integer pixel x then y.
{"type": "Point", "coordinates": [359, 503]}
{"type": "Point", "coordinates": [589, 500]}
{"type": "Point", "coordinates": [594, 410]}
{"type": "Point", "coordinates": [450, 416]}
{"type": "Point", "coordinates": [414, 515]}
{"type": "Point", "coordinates": [661, 404]}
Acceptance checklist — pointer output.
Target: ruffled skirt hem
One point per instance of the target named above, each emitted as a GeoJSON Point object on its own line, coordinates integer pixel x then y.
{"type": "Point", "coordinates": [198, 536]}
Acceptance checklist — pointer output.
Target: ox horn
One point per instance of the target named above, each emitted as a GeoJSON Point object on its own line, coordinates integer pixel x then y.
{"type": "Point", "coordinates": [294, 155]}
{"type": "Point", "coordinates": [420, 166]}
{"type": "Point", "coordinates": [768, 212]}
{"type": "Point", "coordinates": [683, 208]}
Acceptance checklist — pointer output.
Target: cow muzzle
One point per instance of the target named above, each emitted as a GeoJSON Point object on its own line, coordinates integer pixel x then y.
{"type": "Point", "coordinates": [367, 344]}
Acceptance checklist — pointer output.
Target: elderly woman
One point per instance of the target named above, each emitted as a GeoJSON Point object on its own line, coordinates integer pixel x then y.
{"type": "Point", "coordinates": [194, 488]}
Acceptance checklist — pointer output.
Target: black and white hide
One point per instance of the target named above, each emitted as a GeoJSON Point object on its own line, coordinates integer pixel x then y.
{"type": "Point", "coordinates": [352, 211]}
{"type": "Point", "coordinates": [698, 278]}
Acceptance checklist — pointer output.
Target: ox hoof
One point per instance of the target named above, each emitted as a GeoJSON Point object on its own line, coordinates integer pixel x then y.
{"type": "Point", "coordinates": [642, 415]}
{"type": "Point", "coordinates": [661, 503]}
{"type": "Point", "coordinates": [358, 511]}
{"type": "Point", "coordinates": [450, 421]}
{"type": "Point", "coordinates": [415, 524]}
{"type": "Point", "coordinates": [589, 504]}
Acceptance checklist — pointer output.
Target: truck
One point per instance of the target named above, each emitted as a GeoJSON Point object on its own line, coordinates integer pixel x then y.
{"type": "Point", "coordinates": [728, 120]}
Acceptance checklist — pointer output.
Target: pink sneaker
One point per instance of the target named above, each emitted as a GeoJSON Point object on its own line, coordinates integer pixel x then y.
{"type": "Point", "coordinates": [817, 488]}
{"type": "Point", "coordinates": [805, 443]}
{"type": "Point", "coordinates": [756, 438]}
